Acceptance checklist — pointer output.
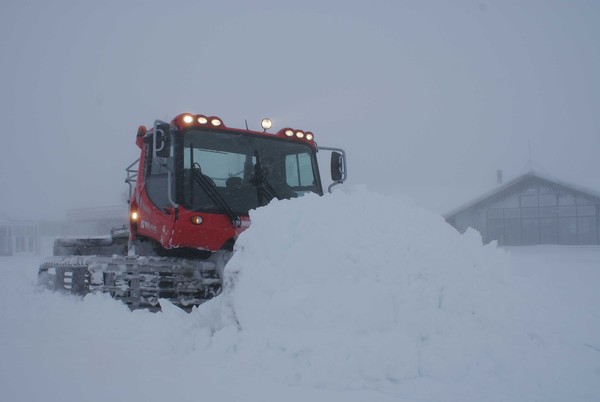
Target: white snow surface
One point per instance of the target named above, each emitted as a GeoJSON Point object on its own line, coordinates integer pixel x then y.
{"type": "Point", "coordinates": [353, 296]}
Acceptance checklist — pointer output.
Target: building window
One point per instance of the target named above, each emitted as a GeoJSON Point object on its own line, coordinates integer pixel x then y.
{"type": "Point", "coordinates": [567, 211]}
{"type": "Point", "coordinates": [495, 230]}
{"type": "Point", "coordinates": [567, 230]}
{"type": "Point", "coordinates": [548, 230]}
{"type": "Point", "coordinates": [495, 213]}
{"type": "Point", "coordinates": [548, 212]}
{"type": "Point", "coordinates": [548, 200]}
{"type": "Point", "coordinates": [4, 242]}
{"type": "Point", "coordinates": [529, 212]}
{"type": "Point", "coordinates": [531, 231]}
{"type": "Point", "coordinates": [19, 244]}
{"type": "Point", "coordinates": [529, 201]}
{"type": "Point", "coordinates": [512, 232]}
{"type": "Point", "coordinates": [512, 213]}
{"type": "Point", "coordinates": [586, 210]}
{"type": "Point", "coordinates": [586, 227]}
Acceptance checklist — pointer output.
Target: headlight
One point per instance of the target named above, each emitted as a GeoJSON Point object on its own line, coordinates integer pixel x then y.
{"type": "Point", "coordinates": [196, 220]}
{"type": "Point", "coordinates": [134, 216]}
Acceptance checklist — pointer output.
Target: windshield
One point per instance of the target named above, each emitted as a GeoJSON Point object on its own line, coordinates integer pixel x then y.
{"type": "Point", "coordinates": [247, 170]}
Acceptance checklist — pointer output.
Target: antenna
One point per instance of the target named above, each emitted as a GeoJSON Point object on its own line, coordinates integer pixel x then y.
{"type": "Point", "coordinates": [246, 121]}
{"type": "Point", "coordinates": [530, 163]}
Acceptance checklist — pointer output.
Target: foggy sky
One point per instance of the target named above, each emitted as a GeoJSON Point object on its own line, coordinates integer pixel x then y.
{"type": "Point", "coordinates": [429, 98]}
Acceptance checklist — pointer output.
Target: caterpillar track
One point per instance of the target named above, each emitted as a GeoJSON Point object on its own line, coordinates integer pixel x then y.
{"type": "Point", "coordinates": [138, 281]}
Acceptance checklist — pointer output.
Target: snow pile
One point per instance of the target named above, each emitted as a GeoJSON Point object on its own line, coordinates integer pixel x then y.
{"type": "Point", "coordinates": [361, 289]}
{"type": "Point", "coordinates": [348, 297]}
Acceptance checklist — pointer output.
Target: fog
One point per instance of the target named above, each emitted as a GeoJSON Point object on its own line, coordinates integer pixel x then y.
{"type": "Point", "coordinates": [428, 98]}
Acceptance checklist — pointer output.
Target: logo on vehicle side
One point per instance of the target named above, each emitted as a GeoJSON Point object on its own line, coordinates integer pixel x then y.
{"type": "Point", "coordinates": [148, 226]}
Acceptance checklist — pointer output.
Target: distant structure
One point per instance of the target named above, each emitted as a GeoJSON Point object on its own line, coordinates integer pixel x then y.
{"type": "Point", "coordinates": [533, 209]}
{"type": "Point", "coordinates": [19, 237]}
{"type": "Point", "coordinates": [96, 220]}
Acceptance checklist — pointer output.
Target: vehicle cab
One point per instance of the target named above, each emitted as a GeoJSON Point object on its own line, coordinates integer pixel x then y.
{"type": "Point", "coordinates": [197, 179]}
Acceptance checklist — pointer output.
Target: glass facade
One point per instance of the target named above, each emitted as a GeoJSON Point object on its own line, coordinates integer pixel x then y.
{"type": "Point", "coordinates": [554, 216]}
{"type": "Point", "coordinates": [18, 239]}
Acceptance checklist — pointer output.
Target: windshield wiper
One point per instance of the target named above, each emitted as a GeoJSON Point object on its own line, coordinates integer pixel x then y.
{"type": "Point", "coordinates": [263, 187]}
{"type": "Point", "coordinates": [208, 186]}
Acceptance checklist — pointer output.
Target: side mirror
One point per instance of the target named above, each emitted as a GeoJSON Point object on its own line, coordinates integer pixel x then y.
{"type": "Point", "coordinates": [161, 139]}
{"type": "Point", "coordinates": [339, 172]}
{"type": "Point", "coordinates": [337, 166]}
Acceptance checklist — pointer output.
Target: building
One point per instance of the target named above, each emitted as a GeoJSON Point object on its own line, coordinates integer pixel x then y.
{"type": "Point", "coordinates": [96, 220]}
{"type": "Point", "coordinates": [533, 209]}
{"type": "Point", "coordinates": [19, 237]}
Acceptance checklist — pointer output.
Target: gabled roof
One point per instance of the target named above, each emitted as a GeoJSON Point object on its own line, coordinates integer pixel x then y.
{"type": "Point", "coordinates": [527, 176]}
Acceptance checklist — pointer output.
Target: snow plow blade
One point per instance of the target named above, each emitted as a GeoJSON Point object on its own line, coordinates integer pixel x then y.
{"type": "Point", "coordinates": [138, 281]}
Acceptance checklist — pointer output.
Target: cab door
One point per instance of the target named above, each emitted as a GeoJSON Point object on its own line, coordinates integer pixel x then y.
{"type": "Point", "coordinates": [157, 208]}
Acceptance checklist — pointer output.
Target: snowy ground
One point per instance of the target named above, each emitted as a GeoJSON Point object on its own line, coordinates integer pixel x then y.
{"type": "Point", "coordinates": [351, 297]}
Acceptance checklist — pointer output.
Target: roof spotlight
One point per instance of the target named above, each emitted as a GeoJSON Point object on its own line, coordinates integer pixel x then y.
{"type": "Point", "coordinates": [309, 136]}
{"type": "Point", "coordinates": [215, 122]}
{"type": "Point", "coordinates": [299, 134]}
{"type": "Point", "coordinates": [289, 133]}
{"type": "Point", "coordinates": [202, 120]}
{"type": "Point", "coordinates": [188, 118]}
{"type": "Point", "coordinates": [266, 123]}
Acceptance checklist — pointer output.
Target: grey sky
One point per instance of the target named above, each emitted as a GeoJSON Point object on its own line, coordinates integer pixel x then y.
{"type": "Point", "coordinates": [422, 94]}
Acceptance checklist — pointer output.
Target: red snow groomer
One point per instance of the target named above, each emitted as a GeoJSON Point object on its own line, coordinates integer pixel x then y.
{"type": "Point", "coordinates": [190, 193]}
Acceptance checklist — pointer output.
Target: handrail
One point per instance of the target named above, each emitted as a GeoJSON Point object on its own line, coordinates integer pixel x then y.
{"type": "Point", "coordinates": [132, 175]}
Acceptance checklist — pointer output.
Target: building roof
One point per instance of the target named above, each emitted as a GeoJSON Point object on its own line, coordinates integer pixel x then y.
{"type": "Point", "coordinates": [5, 220]}
{"type": "Point", "coordinates": [527, 176]}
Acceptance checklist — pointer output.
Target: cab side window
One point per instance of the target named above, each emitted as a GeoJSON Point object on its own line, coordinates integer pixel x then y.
{"type": "Point", "coordinates": [299, 170]}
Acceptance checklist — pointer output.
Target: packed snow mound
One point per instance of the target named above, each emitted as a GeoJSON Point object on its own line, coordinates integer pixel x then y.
{"type": "Point", "coordinates": [349, 297]}
{"type": "Point", "coordinates": [357, 287]}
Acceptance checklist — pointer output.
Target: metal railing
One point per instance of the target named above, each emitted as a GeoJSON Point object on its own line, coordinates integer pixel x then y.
{"type": "Point", "coordinates": [132, 174]}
